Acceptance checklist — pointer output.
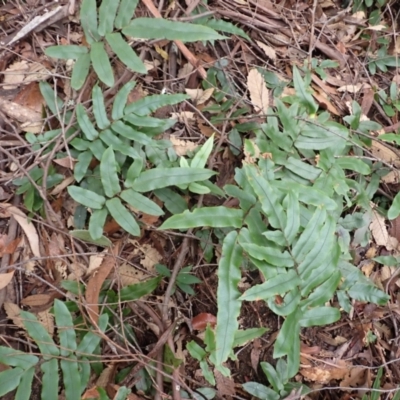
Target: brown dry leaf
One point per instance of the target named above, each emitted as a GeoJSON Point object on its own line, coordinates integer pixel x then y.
{"type": "Point", "coordinates": [13, 312]}
{"type": "Point", "coordinates": [129, 275]}
{"type": "Point", "coordinates": [27, 226]}
{"type": "Point", "coordinates": [225, 385]}
{"type": "Point", "coordinates": [94, 285]}
{"type": "Point", "coordinates": [199, 96]}
{"type": "Point", "coordinates": [95, 262]}
{"type": "Point", "coordinates": [182, 147]}
{"type": "Point", "coordinates": [258, 91]}
{"type": "Point", "coordinates": [66, 162]}
{"type": "Point", "coordinates": [205, 129]}
{"type": "Point", "coordinates": [353, 378]}
{"type": "Point", "coordinates": [324, 102]}
{"type": "Point", "coordinates": [5, 279]}
{"type": "Point", "coordinates": [36, 300]}
{"type": "Point", "coordinates": [380, 233]}
{"type": "Point", "coordinates": [269, 51]}
{"type": "Point", "coordinates": [151, 257]}
{"type": "Point", "coordinates": [61, 186]}
{"type": "Point", "coordinates": [354, 88]}
{"type": "Point", "coordinates": [325, 373]}
{"type": "Point", "coordinates": [106, 376]}
{"type": "Point", "coordinates": [30, 96]}
{"type": "Point", "coordinates": [47, 320]}
{"type": "Point", "coordinates": [185, 72]}
{"type": "Point", "coordinates": [183, 117]}
{"type": "Point", "coordinates": [77, 270]}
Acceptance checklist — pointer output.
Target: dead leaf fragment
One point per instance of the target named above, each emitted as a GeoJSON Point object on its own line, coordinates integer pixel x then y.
{"type": "Point", "coordinates": [182, 147]}
{"type": "Point", "coordinates": [258, 91]}
{"type": "Point", "coordinates": [13, 313]}
{"type": "Point", "coordinates": [5, 279]}
{"type": "Point", "coordinates": [380, 233]}
{"type": "Point", "coordinates": [269, 51]}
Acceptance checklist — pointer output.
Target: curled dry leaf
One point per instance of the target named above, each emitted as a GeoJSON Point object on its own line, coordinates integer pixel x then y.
{"type": "Point", "coordinates": [353, 88]}
{"type": "Point", "coordinates": [26, 225]}
{"type": "Point", "coordinates": [380, 233]}
{"type": "Point", "coordinates": [182, 147]}
{"type": "Point", "coordinates": [199, 96]}
{"type": "Point", "coordinates": [13, 312]}
{"type": "Point", "coordinates": [47, 320]}
{"type": "Point", "coordinates": [269, 51]}
{"type": "Point", "coordinates": [5, 279]}
{"type": "Point", "coordinates": [258, 91]}
{"type": "Point", "coordinates": [200, 321]}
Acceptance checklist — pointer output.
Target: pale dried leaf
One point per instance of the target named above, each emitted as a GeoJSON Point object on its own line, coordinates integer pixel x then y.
{"type": "Point", "coordinates": [325, 373]}
{"type": "Point", "coordinates": [67, 162]}
{"type": "Point", "coordinates": [95, 262]}
{"type": "Point", "coordinates": [183, 117]}
{"type": "Point", "coordinates": [61, 186]}
{"type": "Point", "coordinates": [258, 91]}
{"type": "Point", "coordinates": [77, 270]}
{"type": "Point", "coordinates": [380, 233]}
{"type": "Point", "coordinates": [182, 147]}
{"type": "Point", "coordinates": [269, 51]}
{"type": "Point", "coordinates": [199, 96]}
{"type": "Point", "coordinates": [47, 320]}
{"type": "Point", "coordinates": [13, 312]}
{"type": "Point", "coordinates": [36, 300]}
{"type": "Point", "coordinates": [185, 71]}
{"type": "Point", "coordinates": [27, 226]}
{"type": "Point", "coordinates": [353, 88]}
{"type": "Point", "coordinates": [128, 275]}
{"type": "Point", "coordinates": [151, 257]}
{"type": "Point", "coordinates": [5, 279]}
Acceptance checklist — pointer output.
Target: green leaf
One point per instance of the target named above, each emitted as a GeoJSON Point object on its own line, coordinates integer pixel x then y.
{"type": "Point", "coordinates": [228, 295]}
{"type": "Point", "coordinates": [207, 373]}
{"type": "Point", "coordinates": [267, 196]}
{"type": "Point", "coordinates": [96, 223]}
{"type": "Point", "coordinates": [24, 390]}
{"type": "Point", "coordinates": [126, 11]}
{"type": "Point", "coordinates": [141, 203]}
{"type": "Point", "coordinates": [91, 340]}
{"type": "Point", "coordinates": [10, 379]}
{"type": "Point", "coordinates": [125, 52]}
{"type": "Point", "coordinates": [109, 173]}
{"type": "Point", "coordinates": [123, 216]}
{"type": "Point", "coordinates": [80, 71]}
{"type": "Point", "coordinates": [17, 358]}
{"type": "Point", "coordinates": [201, 157]}
{"type": "Point", "coordinates": [196, 351]}
{"type": "Point", "coordinates": [65, 326]}
{"type": "Point", "coordinates": [88, 17]}
{"type": "Point", "coordinates": [111, 139]}
{"type": "Point", "coordinates": [99, 109]}
{"type": "Point", "coordinates": [133, 172]}
{"type": "Point", "coordinates": [66, 52]}
{"type": "Point", "coordinates": [288, 335]}
{"type": "Point", "coordinates": [242, 337]}
{"type": "Point", "coordinates": [158, 178]}
{"type": "Point", "coordinates": [319, 316]}
{"type": "Point", "coordinates": [354, 164]}
{"type": "Point", "coordinates": [394, 210]}
{"type": "Point", "coordinates": [224, 26]}
{"type": "Point", "coordinates": [159, 28]}
{"type": "Point", "coordinates": [301, 91]}
{"type": "Point", "coordinates": [302, 169]}
{"type": "Point", "coordinates": [121, 98]}
{"type": "Point", "coordinates": [150, 104]}
{"type": "Point", "coordinates": [54, 103]}
{"type": "Point", "coordinates": [85, 236]}
{"type": "Point", "coordinates": [107, 12]}
{"type": "Point", "coordinates": [138, 290]}
{"type": "Point", "coordinates": [275, 257]}
{"type": "Point", "coordinates": [39, 334]}
{"type": "Point", "coordinates": [85, 124]}
{"type": "Point", "coordinates": [86, 197]}
{"type": "Point", "coordinates": [82, 165]}
{"type": "Point", "coordinates": [369, 293]}
{"type": "Point", "coordinates": [50, 380]}
{"type": "Point", "coordinates": [130, 133]}
{"type": "Point", "coordinates": [214, 217]}
{"type": "Point", "coordinates": [101, 64]}
{"type": "Point", "coordinates": [279, 284]}
{"type": "Point", "coordinates": [260, 391]}
{"type": "Point", "coordinates": [310, 235]}
{"type": "Point", "coordinates": [292, 205]}
{"type": "Point", "coordinates": [71, 378]}
{"type": "Point", "coordinates": [272, 376]}
{"type": "Point", "coordinates": [173, 202]}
